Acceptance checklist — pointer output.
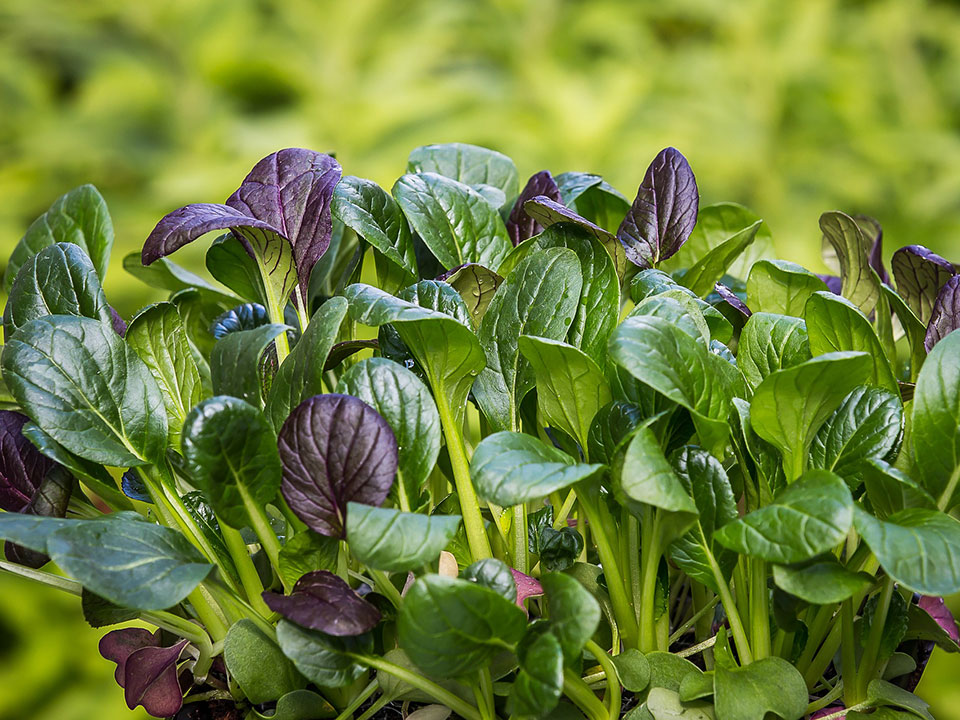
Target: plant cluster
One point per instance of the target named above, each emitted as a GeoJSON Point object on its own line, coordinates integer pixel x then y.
{"type": "Point", "coordinates": [564, 456]}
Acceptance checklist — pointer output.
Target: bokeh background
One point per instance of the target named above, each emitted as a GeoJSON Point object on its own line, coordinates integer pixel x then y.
{"type": "Point", "coordinates": [790, 107]}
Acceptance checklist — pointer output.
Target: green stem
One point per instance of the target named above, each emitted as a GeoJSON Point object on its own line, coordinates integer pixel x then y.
{"type": "Point", "coordinates": [520, 538]}
{"type": "Point", "coordinates": [42, 576]}
{"type": "Point", "coordinates": [730, 608]}
{"type": "Point", "coordinates": [261, 526]}
{"type": "Point", "coordinates": [613, 682]}
{"type": "Point", "coordinates": [560, 519]}
{"type": "Point", "coordinates": [694, 619]}
{"type": "Point", "coordinates": [818, 628]}
{"type": "Point", "coordinates": [438, 693]}
{"type": "Point", "coordinates": [209, 613]}
{"type": "Point", "coordinates": [274, 311]}
{"type": "Point", "coordinates": [633, 564]}
{"type": "Point", "coordinates": [821, 703]}
{"type": "Point", "coordinates": [649, 564]}
{"type": "Point", "coordinates": [949, 490]}
{"type": "Point", "coordinates": [759, 610]}
{"type": "Point", "coordinates": [402, 498]}
{"type": "Point", "coordinates": [871, 651]}
{"type": "Point", "coordinates": [483, 692]}
{"type": "Point", "coordinates": [187, 630]}
{"type": "Point", "coordinates": [376, 707]}
{"type": "Point", "coordinates": [848, 655]}
{"type": "Point", "coordinates": [249, 577]}
{"type": "Point", "coordinates": [582, 696]}
{"type": "Point", "coordinates": [359, 700]}
{"type": "Point", "coordinates": [389, 590]}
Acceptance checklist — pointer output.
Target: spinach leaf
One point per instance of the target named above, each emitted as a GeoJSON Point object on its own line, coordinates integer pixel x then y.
{"type": "Point", "coordinates": [257, 665]}
{"type": "Point", "coordinates": [229, 262]}
{"type": "Point", "coordinates": [782, 287]}
{"type": "Point", "coordinates": [890, 490]}
{"type": "Point", "coordinates": [821, 582]}
{"type": "Point", "coordinates": [574, 613]}
{"type": "Point", "coordinates": [710, 268]}
{"type": "Point", "coordinates": [645, 477]}
{"type": "Point", "coordinates": [945, 316]}
{"type": "Point", "coordinates": [166, 274]}
{"type": "Point", "coordinates": [469, 164]}
{"type": "Point", "coordinates": [323, 659]}
{"type": "Point", "coordinates": [235, 361]}
{"type": "Point", "coordinates": [861, 285]}
{"type": "Point", "coordinates": [476, 285]}
{"type": "Point", "coordinates": [770, 342]}
{"type": "Point", "coordinates": [920, 273]}
{"type": "Point", "coordinates": [394, 541]}
{"type": "Point", "coordinates": [539, 684]}
{"type": "Point", "coordinates": [771, 685]}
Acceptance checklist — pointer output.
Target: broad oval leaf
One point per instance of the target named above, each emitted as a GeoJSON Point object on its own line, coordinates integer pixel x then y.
{"type": "Point", "coordinates": [945, 316]}
{"type": "Point", "coordinates": [469, 164]}
{"type": "Point", "coordinates": [539, 681]}
{"type": "Point", "coordinates": [574, 613]}
{"type": "Point", "coordinates": [87, 389]}
{"type": "Point", "coordinates": [789, 406]}
{"type": "Point", "coordinates": [538, 298]}
{"type": "Point", "coordinates": [807, 518]}
{"type": "Point", "coordinates": [936, 418]}
{"type": "Point", "coordinates": [782, 287]}
{"type": "Point", "coordinates": [129, 562]}
{"type": "Point", "coordinates": [509, 468]}
{"type": "Point", "coordinates": [394, 541]}
{"type": "Point", "coordinates": [835, 324]}
{"type": "Point", "coordinates": [257, 665]}
{"type": "Point", "coordinates": [570, 386]}
{"type": "Point", "coordinates": [453, 219]}
{"type": "Point", "coordinates": [59, 280]}
{"type": "Point", "coordinates": [861, 285]}
{"type": "Point", "coordinates": [300, 376]}
{"type": "Point", "coordinates": [231, 456]}
{"type": "Point", "coordinates": [235, 361]}
{"type": "Point", "coordinates": [451, 628]}
{"type": "Point", "coordinates": [890, 490]}
{"type": "Point", "coordinates": [323, 659]}
{"type": "Point", "coordinates": [920, 273]}
{"type": "Point", "coordinates": [918, 548]}
{"type": "Point", "coordinates": [868, 425]}
{"type": "Point", "coordinates": [821, 582]}
{"type": "Point", "coordinates": [770, 342]}
{"type": "Point", "coordinates": [405, 403]}
{"type": "Point", "coordinates": [157, 335]}
{"type": "Point", "coordinates": [335, 449]}
{"type": "Point", "coordinates": [323, 601]}
{"type": "Point", "coordinates": [79, 217]}
{"type": "Point", "coordinates": [664, 212]}
{"type": "Point", "coordinates": [768, 686]}
{"type": "Point", "coordinates": [710, 268]}
{"type": "Point", "coordinates": [646, 478]}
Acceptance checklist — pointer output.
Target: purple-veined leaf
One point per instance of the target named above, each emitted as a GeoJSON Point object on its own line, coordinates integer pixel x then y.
{"type": "Point", "coordinates": [731, 299]}
{"type": "Point", "coordinates": [335, 449]}
{"type": "Point", "coordinates": [291, 190]}
{"type": "Point", "coordinates": [522, 226]}
{"type": "Point", "coordinates": [945, 316]}
{"type": "Point", "coordinates": [664, 212]}
{"type": "Point", "coordinates": [872, 230]}
{"type": "Point", "coordinates": [322, 601]}
{"type": "Point", "coordinates": [547, 212]}
{"type": "Point", "coordinates": [150, 679]}
{"type": "Point", "coordinates": [22, 466]}
{"type": "Point", "coordinates": [920, 273]}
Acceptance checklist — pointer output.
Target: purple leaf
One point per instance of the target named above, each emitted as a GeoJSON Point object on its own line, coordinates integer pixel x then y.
{"type": "Point", "coordinates": [834, 283]}
{"type": "Point", "coordinates": [335, 449]}
{"type": "Point", "coordinates": [150, 679]}
{"type": "Point", "coordinates": [522, 226]}
{"type": "Point", "coordinates": [118, 323]}
{"type": "Point", "coordinates": [936, 608]}
{"type": "Point", "coordinates": [872, 230]}
{"type": "Point", "coordinates": [50, 499]}
{"type": "Point", "coordinates": [291, 190]}
{"type": "Point", "coordinates": [548, 212]}
{"type": "Point", "coordinates": [920, 273]}
{"type": "Point", "coordinates": [118, 645]}
{"type": "Point", "coordinates": [730, 297]}
{"type": "Point", "coordinates": [664, 212]}
{"type": "Point", "coordinates": [188, 223]}
{"type": "Point", "coordinates": [22, 466]}
{"type": "Point", "coordinates": [827, 711]}
{"type": "Point", "coordinates": [945, 316]}
{"type": "Point", "coordinates": [322, 601]}
{"type": "Point", "coordinates": [526, 586]}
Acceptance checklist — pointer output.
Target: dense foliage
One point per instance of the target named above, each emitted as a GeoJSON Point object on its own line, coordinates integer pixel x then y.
{"type": "Point", "coordinates": [568, 456]}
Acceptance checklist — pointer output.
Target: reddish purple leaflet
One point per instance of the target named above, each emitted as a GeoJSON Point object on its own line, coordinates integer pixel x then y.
{"type": "Point", "coordinates": [322, 601]}
{"type": "Point", "coordinates": [521, 225]}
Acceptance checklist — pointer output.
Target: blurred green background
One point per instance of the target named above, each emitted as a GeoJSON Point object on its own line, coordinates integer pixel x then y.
{"type": "Point", "coordinates": [791, 108]}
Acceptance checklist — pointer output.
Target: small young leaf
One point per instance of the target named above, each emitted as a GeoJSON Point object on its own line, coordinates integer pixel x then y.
{"type": "Point", "coordinates": [633, 669]}
{"type": "Point", "coordinates": [881, 693]}
{"type": "Point", "coordinates": [861, 285]}
{"type": "Point", "coordinates": [770, 685]}
{"type": "Point", "coordinates": [574, 613]}
{"type": "Point", "coordinates": [257, 665]}
{"type": "Point", "coordinates": [710, 268]}
{"type": "Point", "coordinates": [495, 575]}
{"type": "Point", "coordinates": [539, 683]}
{"type": "Point", "coordinates": [778, 286]}
{"type": "Point", "coordinates": [305, 552]}
{"type": "Point", "coordinates": [476, 285]}
{"type": "Point", "coordinates": [646, 478]}
{"type": "Point", "coordinates": [322, 601]}
{"type": "Point", "coordinates": [394, 541]}
{"type": "Point", "coordinates": [229, 262]}
{"type": "Point", "coordinates": [235, 361]}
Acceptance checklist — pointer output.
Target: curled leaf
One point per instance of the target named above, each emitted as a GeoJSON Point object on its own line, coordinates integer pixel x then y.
{"type": "Point", "coordinates": [920, 273]}
{"type": "Point", "coordinates": [945, 316]}
{"type": "Point", "coordinates": [521, 225]}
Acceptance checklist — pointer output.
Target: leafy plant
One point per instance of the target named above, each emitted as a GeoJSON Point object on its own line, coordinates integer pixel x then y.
{"type": "Point", "coordinates": [566, 478]}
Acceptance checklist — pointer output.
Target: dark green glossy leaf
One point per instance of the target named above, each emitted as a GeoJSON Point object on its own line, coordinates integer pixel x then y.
{"type": "Point", "coordinates": [539, 683]}
{"type": "Point", "coordinates": [559, 549]}
{"type": "Point", "coordinates": [677, 308]}
{"type": "Point", "coordinates": [450, 627]}
{"type": "Point", "coordinates": [306, 552]}
{"type": "Point", "coordinates": [770, 342]}
{"type": "Point", "coordinates": [821, 582]}
{"type": "Point", "coordinates": [612, 426]}
{"type": "Point", "coordinates": [206, 520]}
{"type": "Point", "coordinates": [918, 548]}
{"type": "Point", "coordinates": [300, 376]}
{"type": "Point", "coordinates": [370, 211]}
{"type": "Point", "coordinates": [894, 624]}
{"type": "Point", "coordinates": [574, 613]}
{"type": "Point", "coordinates": [646, 478]}
{"type": "Point", "coordinates": [166, 274]}
{"type": "Point", "coordinates": [538, 298]}
{"type": "Point", "coordinates": [79, 217]}
{"type": "Point", "coordinates": [230, 263]}
{"type": "Point", "coordinates": [778, 286]}
{"type": "Point", "coordinates": [231, 454]}
{"type": "Point", "coordinates": [861, 285]}
{"type": "Point", "coordinates": [809, 517]}
{"type": "Point", "coordinates": [868, 425]}
{"type": "Point", "coordinates": [257, 664]}
{"type": "Point", "coordinates": [323, 659]}
{"type": "Point", "coordinates": [510, 468]}
{"type": "Point", "coordinates": [87, 389]}
{"type": "Point", "coordinates": [234, 362]}
{"type": "Point", "coordinates": [890, 490]}
{"type": "Point", "coordinates": [771, 685]}
{"type": "Point", "coordinates": [59, 280]}
{"type": "Point", "coordinates": [493, 574]}
{"type": "Point", "coordinates": [394, 541]}
{"type": "Point", "coordinates": [470, 164]}
{"type": "Point", "coordinates": [100, 612]}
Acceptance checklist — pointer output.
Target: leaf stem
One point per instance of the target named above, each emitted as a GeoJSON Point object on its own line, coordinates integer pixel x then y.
{"type": "Point", "coordinates": [730, 608]}
{"type": "Point", "coordinates": [848, 655]}
{"type": "Point", "coordinates": [949, 490]}
{"type": "Point", "coordinates": [261, 526]}
{"type": "Point", "coordinates": [759, 609]}
{"type": "Point", "coordinates": [42, 576]}
{"type": "Point", "coordinates": [613, 680]}
{"type": "Point", "coordinates": [249, 577]}
{"type": "Point", "coordinates": [520, 538]}
{"type": "Point", "coordinates": [871, 651]}
{"type": "Point", "coordinates": [582, 696]}
{"type": "Point", "coordinates": [693, 620]}
{"type": "Point", "coordinates": [438, 693]}
{"type": "Point", "coordinates": [383, 583]}
{"type": "Point", "coordinates": [274, 311]}
{"type": "Point", "coordinates": [359, 700]}
{"type": "Point", "coordinates": [650, 565]}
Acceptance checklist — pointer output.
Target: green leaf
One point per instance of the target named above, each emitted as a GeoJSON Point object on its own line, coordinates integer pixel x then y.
{"type": "Point", "coordinates": [782, 287]}
{"type": "Point", "coordinates": [31, 531]}
{"type": "Point", "coordinates": [668, 670]}
{"type": "Point", "coordinates": [645, 477]}
{"type": "Point", "coordinates": [299, 705]}
{"type": "Point", "coordinates": [861, 285]}
{"type": "Point", "coordinates": [695, 686]}
{"type": "Point", "coordinates": [834, 323]}
{"type": "Point", "coordinates": [394, 541]}
{"type": "Point", "coordinates": [664, 357]}
{"type": "Point", "coordinates": [230, 263]}
{"type": "Point", "coordinates": [407, 406]}
{"type": "Point", "coordinates": [206, 520]}
{"type": "Point", "coordinates": [79, 217]}
{"type": "Point", "coordinates": [881, 693]}
{"type": "Point", "coordinates": [770, 685]}
{"type": "Point", "coordinates": [705, 273]}
{"type": "Point", "coordinates": [539, 683]}
{"type": "Point", "coordinates": [570, 386]}
{"type": "Point", "coordinates": [574, 613]}
{"type": "Point", "coordinates": [99, 612]}
{"type": "Point", "coordinates": [476, 285]}
{"type": "Point", "coordinates": [633, 669]}
{"type": "Point", "coordinates": [446, 349]}
{"type": "Point", "coordinates": [868, 425]}
{"type": "Point", "coordinates": [257, 664]}
{"type": "Point", "coordinates": [807, 518]}
{"type": "Point", "coordinates": [166, 274]}
{"type": "Point", "coordinates": [470, 164]}
{"type": "Point", "coordinates": [890, 490]}
{"type": "Point", "coordinates": [130, 563]}
{"type": "Point", "coordinates": [87, 389]}
{"type": "Point", "coordinates": [235, 361]}
{"type": "Point", "coordinates": [913, 328]}
{"type": "Point", "coordinates": [451, 628]}
{"type": "Point", "coordinates": [770, 342]}
{"type": "Point", "coordinates": [510, 468]}
{"type": "Point", "coordinates": [664, 704]}
{"type": "Point", "coordinates": [894, 624]}
{"type": "Point", "coordinates": [936, 419]}
{"type": "Point", "coordinates": [156, 334]}
{"type": "Point", "coordinates": [790, 405]}
{"type": "Point", "coordinates": [821, 582]}
{"type": "Point", "coordinates": [539, 297]}
{"type": "Point", "coordinates": [59, 280]}
{"type": "Point", "coordinates": [455, 221]}
{"type": "Point", "coordinates": [918, 548]}
{"type": "Point", "coordinates": [305, 552]}
{"type": "Point", "coordinates": [493, 574]}
{"type": "Point", "coordinates": [231, 454]}
{"type": "Point", "coordinates": [370, 211]}
{"type": "Point", "coordinates": [300, 375]}
{"type": "Point", "coordinates": [323, 659]}
{"type": "Point", "coordinates": [679, 309]}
